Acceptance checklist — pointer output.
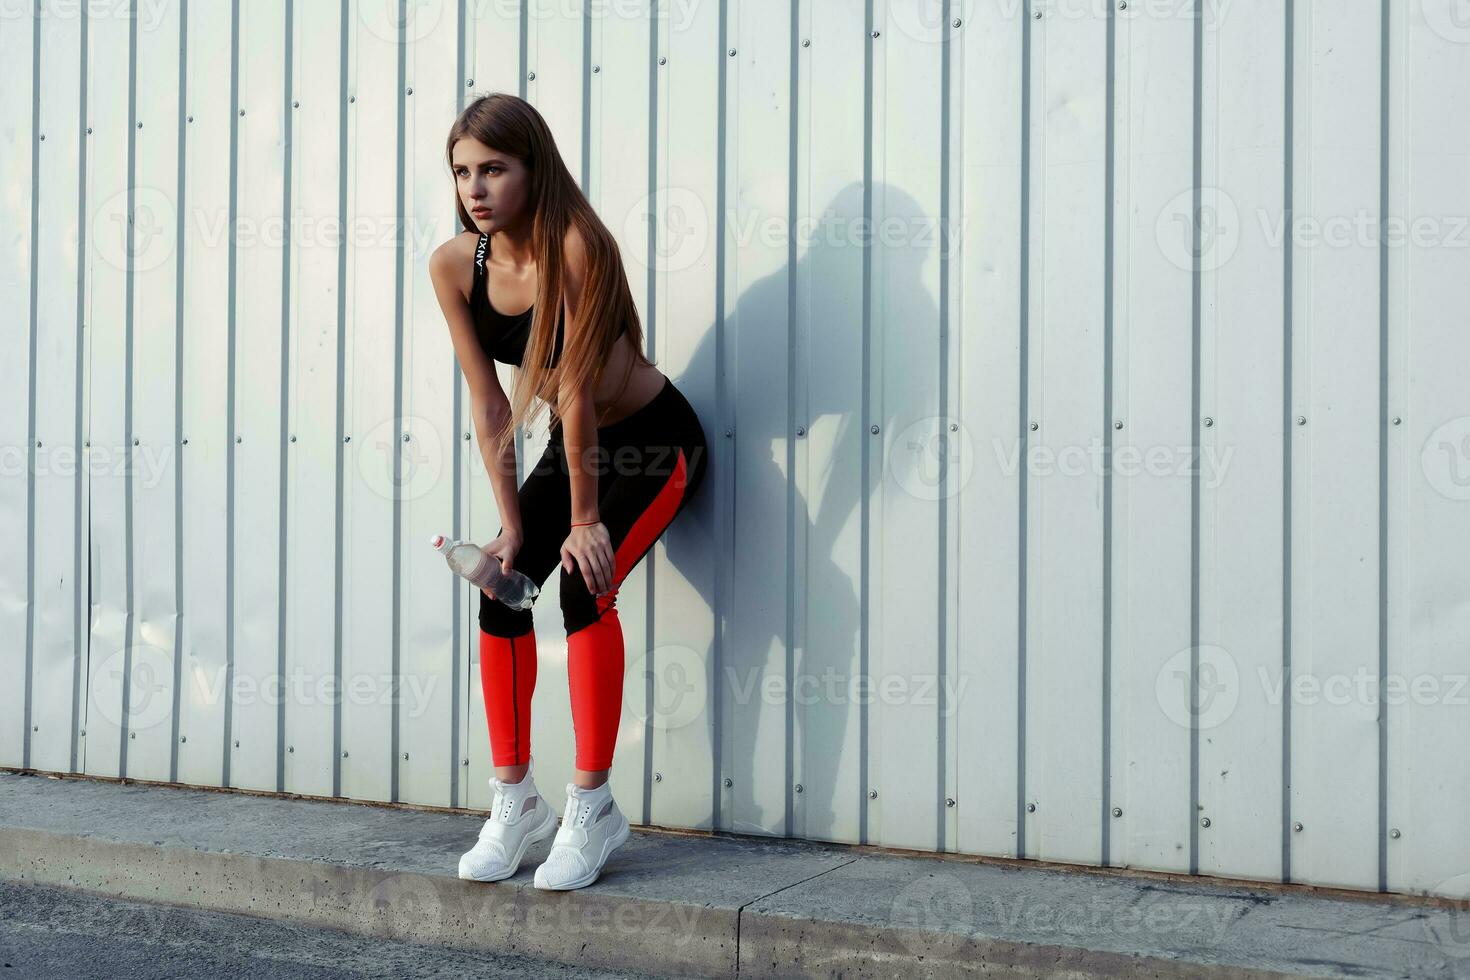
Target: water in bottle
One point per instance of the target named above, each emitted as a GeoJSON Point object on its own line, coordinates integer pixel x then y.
{"type": "Point", "coordinates": [470, 562]}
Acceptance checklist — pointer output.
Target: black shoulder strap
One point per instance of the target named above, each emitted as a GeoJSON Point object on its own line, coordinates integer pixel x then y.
{"type": "Point", "coordinates": [482, 248]}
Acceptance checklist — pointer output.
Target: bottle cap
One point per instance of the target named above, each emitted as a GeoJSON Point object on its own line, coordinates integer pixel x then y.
{"type": "Point", "coordinates": [438, 542]}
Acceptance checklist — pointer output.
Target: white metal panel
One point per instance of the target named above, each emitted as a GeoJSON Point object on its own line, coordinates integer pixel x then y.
{"type": "Point", "coordinates": [757, 661]}
{"type": "Point", "coordinates": [109, 449]}
{"type": "Point", "coordinates": [1427, 693]}
{"type": "Point", "coordinates": [1150, 468]}
{"type": "Point", "coordinates": [905, 601]}
{"type": "Point", "coordinates": [256, 693]}
{"type": "Point", "coordinates": [1335, 490]}
{"type": "Point", "coordinates": [1063, 657]}
{"type": "Point", "coordinates": [1242, 277]}
{"type": "Point", "coordinates": [372, 428]}
{"type": "Point", "coordinates": [17, 141]}
{"type": "Point", "coordinates": [311, 597]}
{"type": "Point", "coordinates": [204, 443]}
{"type": "Point", "coordinates": [426, 762]}
{"type": "Point", "coordinates": [679, 717]}
{"type": "Point", "coordinates": [987, 218]}
{"type": "Point", "coordinates": [60, 532]}
{"type": "Point", "coordinates": [155, 390]}
{"type": "Point", "coordinates": [827, 710]}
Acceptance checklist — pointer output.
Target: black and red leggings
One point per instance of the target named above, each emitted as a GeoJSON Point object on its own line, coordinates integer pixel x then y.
{"type": "Point", "coordinates": [648, 467]}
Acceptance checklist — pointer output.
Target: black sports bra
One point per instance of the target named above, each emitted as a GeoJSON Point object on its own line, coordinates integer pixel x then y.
{"type": "Point", "coordinates": [503, 337]}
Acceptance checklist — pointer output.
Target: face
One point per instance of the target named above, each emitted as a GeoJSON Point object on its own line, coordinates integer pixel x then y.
{"type": "Point", "coordinates": [493, 186]}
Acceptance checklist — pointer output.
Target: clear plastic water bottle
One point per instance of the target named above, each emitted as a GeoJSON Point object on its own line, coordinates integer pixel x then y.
{"type": "Point", "coordinates": [470, 562]}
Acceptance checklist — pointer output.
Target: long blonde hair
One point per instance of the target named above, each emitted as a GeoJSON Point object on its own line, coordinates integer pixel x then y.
{"type": "Point", "coordinates": [512, 125]}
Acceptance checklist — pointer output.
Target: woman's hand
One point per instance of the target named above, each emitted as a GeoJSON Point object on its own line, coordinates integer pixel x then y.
{"type": "Point", "coordinates": [590, 546]}
{"type": "Point", "coordinates": [504, 547]}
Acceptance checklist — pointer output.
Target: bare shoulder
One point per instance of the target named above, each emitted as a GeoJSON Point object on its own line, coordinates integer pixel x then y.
{"type": "Point", "coordinates": [450, 262]}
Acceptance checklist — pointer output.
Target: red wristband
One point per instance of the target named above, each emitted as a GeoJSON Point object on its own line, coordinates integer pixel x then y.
{"type": "Point", "coordinates": [585, 523]}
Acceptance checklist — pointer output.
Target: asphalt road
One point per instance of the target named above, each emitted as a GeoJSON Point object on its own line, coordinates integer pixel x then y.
{"type": "Point", "coordinates": [51, 933]}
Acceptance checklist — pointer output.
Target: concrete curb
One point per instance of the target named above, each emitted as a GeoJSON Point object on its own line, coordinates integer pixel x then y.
{"type": "Point", "coordinates": [689, 905]}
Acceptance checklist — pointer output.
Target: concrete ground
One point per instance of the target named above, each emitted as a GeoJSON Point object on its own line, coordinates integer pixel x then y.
{"type": "Point", "coordinates": [678, 904]}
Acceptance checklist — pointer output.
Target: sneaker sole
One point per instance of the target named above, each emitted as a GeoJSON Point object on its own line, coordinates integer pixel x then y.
{"type": "Point", "coordinates": [613, 843]}
{"type": "Point", "coordinates": [547, 828]}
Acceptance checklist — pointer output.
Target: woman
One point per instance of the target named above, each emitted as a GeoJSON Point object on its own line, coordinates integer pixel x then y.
{"type": "Point", "coordinates": [625, 455]}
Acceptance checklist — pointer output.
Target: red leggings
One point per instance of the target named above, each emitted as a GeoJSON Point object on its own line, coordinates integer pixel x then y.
{"type": "Point", "coordinates": [649, 466]}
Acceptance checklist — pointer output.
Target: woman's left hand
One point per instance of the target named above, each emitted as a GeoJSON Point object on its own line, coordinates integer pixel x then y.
{"type": "Point", "coordinates": [590, 546]}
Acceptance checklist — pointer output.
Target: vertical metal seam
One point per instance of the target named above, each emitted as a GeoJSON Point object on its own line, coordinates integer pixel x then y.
{"type": "Point", "coordinates": [1195, 274]}
{"type": "Point", "coordinates": [865, 523]}
{"type": "Point", "coordinates": [586, 161]}
{"type": "Point", "coordinates": [129, 296]}
{"type": "Point", "coordinates": [180, 162]}
{"type": "Point", "coordinates": [793, 95]}
{"type": "Point", "coordinates": [343, 51]}
{"type": "Point", "coordinates": [231, 252]}
{"type": "Point", "coordinates": [650, 342]}
{"type": "Point", "coordinates": [1110, 177]}
{"type": "Point", "coordinates": [31, 419]}
{"type": "Point", "coordinates": [457, 593]}
{"type": "Point", "coordinates": [282, 537]}
{"type": "Point", "coordinates": [1023, 369]}
{"type": "Point", "coordinates": [1385, 84]}
{"type": "Point", "coordinates": [941, 732]}
{"type": "Point", "coordinates": [1288, 177]}
{"type": "Point", "coordinates": [81, 632]}
{"type": "Point", "coordinates": [725, 534]}
{"type": "Point", "coordinates": [400, 434]}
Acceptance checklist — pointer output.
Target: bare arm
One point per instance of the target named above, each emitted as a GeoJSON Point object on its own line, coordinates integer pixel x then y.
{"type": "Point", "coordinates": [488, 405]}
{"type": "Point", "coordinates": [576, 406]}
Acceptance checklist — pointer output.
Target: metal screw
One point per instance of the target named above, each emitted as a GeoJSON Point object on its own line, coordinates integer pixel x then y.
{"type": "Point", "coordinates": [191, 119]}
{"type": "Point", "coordinates": [242, 112]}
{"type": "Point", "coordinates": [1397, 420]}
{"type": "Point", "coordinates": [1297, 826]}
{"type": "Point", "coordinates": [956, 22]}
{"type": "Point", "coordinates": [1035, 426]}
{"type": "Point", "coordinates": [729, 433]}
{"type": "Point", "coordinates": [732, 52]}
{"type": "Point", "coordinates": [464, 762]}
{"type": "Point", "coordinates": [344, 753]}
{"type": "Point", "coordinates": [469, 83]}
{"type": "Point", "coordinates": [293, 437]}
{"type": "Point", "coordinates": [798, 787]}
{"type": "Point", "coordinates": [531, 76]}
{"type": "Point", "coordinates": [237, 743]}
{"type": "Point", "coordinates": [1117, 423]}
{"type": "Point", "coordinates": [132, 734]}
{"type": "Point", "coordinates": [1030, 807]}
{"type": "Point", "coordinates": [1123, 5]}
{"type": "Point", "coordinates": [874, 430]}
{"type": "Point", "coordinates": [239, 439]}
{"type": "Point", "coordinates": [405, 757]}
{"type": "Point", "coordinates": [1038, 15]}
{"type": "Point", "coordinates": [954, 427]}
{"type": "Point", "coordinates": [43, 137]}
{"type": "Point", "coordinates": [596, 69]}
{"type": "Point", "coordinates": [876, 33]}
{"type": "Point", "coordinates": [89, 130]}
{"type": "Point", "coordinates": [1301, 420]}
{"type": "Point", "coordinates": [872, 794]}
{"type": "Point", "coordinates": [87, 444]}
{"type": "Point", "coordinates": [140, 122]}
{"type": "Point", "coordinates": [1209, 422]}
{"type": "Point", "coordinates": [346, 438]}
{"type": "Point", "coordinates": [949, 801]}
{"type": "Point", "coordinates": [662, 60]}
{"type": "Point", "coordinates": [1204, 821]}
{"type": "Point", "coordinates": [183, 738]}
{"type": "Point", "coordinates": [658, 777]}
{"type": "Point", "coordinates": [801, 430]}
{"type": "Point", "coordinates": [729, 782]}
{"type": "Point", "coordinates": [806, 42]}
{"type": "Point", "coordinates": [185, 440]}
{"type": "Point", "coordinates": [466, 437]}
{"type": "Point", "coordinates": [409, 91]}
{"type": "Point", "coordinates": [1394, 833]}
{"type": "Point", "coordinates": [352, 98]}
{"type": "Point", "coordinates": [290, 748]}
{"type": "Point", "coordinates": [1117, 811]}
{"type": "Point", "coordinates": [296, 105]}
{"type": "Point", "coordinates": [405, 437]}
{"type": "Point", "coordinates": [83, 733]}
{"type": "Point", "coordinates": [135, 440]}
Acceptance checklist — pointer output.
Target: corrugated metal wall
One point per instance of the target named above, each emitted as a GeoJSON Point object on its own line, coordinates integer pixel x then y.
{"type": "Point", "coordinates": [1065, 503]}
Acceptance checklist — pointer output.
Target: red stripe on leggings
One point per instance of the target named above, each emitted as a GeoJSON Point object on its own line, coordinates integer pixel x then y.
{"type": "Point", "coordinates": [646, 529]}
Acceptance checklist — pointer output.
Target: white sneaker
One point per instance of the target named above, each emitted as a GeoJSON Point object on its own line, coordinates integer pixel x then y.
{"type": "Point", "coordinates": [519, 818]}
{"type": "Point", "coordinates": [592, 827]}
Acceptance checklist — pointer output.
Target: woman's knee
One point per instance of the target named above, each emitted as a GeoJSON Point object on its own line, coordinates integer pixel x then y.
{"type": "Point", "coordinates": [579, 607]}
{"type": "Point", "coordinates": [498, 619]}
